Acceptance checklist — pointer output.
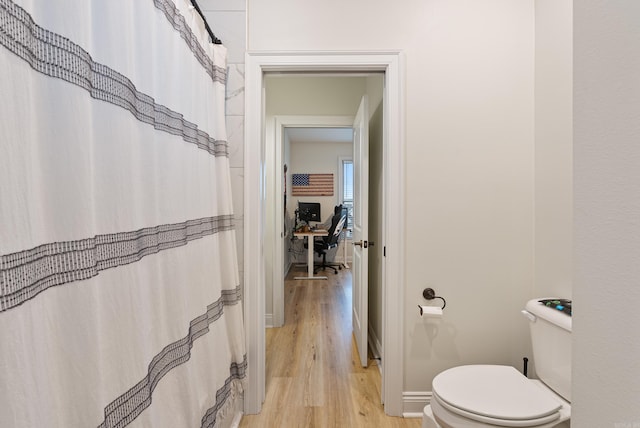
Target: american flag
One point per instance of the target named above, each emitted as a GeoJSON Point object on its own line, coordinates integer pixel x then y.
{"type": "Point", "coordinates": [312, 184]}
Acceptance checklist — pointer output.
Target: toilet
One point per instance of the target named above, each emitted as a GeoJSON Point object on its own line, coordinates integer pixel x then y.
{"type": "Point", "coordinates": [477, 396]}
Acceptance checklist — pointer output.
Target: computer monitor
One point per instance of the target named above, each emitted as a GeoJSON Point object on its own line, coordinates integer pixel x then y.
{"type": "Point", "coordinates": [309, 211]}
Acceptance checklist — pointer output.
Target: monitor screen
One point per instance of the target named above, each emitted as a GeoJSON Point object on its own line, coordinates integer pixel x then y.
{"type": "Point", "coordinates": [309, 211]}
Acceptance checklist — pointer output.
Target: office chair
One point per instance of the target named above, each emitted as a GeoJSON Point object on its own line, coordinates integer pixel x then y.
{"type": "Point", "coordinates": [321, 246]}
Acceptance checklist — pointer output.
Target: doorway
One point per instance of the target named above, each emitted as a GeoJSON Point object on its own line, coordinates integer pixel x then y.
{"type": "Point", "coordinates": [311, 147]}
{"type": "Point", "coordinates": [392, 241]}
{"type": "Point", "coordinates": [278, 231]}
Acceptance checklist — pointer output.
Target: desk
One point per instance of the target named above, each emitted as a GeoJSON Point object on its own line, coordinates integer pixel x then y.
{"type": "Point", "coordinates": [310, 235]}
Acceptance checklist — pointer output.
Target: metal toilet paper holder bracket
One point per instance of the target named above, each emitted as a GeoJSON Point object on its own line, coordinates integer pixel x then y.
{"type": "Point", "coordinates": [430, 294]}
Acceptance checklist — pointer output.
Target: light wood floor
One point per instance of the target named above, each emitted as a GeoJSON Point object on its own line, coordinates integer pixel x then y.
{"type": "Point", "coordinates": [313, 374]}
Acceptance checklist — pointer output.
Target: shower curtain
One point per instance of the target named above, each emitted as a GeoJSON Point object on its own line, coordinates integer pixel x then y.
{"type": "Point", "coordinates": [120, 301]}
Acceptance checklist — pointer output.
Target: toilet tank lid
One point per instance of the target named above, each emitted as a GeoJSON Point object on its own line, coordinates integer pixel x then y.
{"type": "Point", "coordinates": [551, 315]}
{"type": "Point", "coordinates": [494, 391]}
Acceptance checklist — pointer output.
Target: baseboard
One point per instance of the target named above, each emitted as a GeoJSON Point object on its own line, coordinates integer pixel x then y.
{"type": "Point", "coordinates": [268, 320]}
{"type": "Point", "coordinates": [414, 402]}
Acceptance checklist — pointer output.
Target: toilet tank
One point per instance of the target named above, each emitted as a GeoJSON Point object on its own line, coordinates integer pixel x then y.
{"type": "Point", "coordinates": [551, 343]}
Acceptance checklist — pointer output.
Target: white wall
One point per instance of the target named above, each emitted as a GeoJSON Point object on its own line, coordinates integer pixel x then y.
{"type": "Point", "coordinates": [317, 158]}
{"type": "Point", "coordinates": [606, 345]}
{"type": "Point", "coordinates": [470, 159]}
{"type": "Point", "coordinates": [313, 95]}
{"type": "Point", "coordinates": [553, 148]}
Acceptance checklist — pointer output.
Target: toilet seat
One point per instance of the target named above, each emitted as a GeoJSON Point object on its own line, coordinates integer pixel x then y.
{"type": "Point", "coordinates": [497, 395]}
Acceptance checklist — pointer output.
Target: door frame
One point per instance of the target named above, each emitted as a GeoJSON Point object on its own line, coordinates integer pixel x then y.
{"type": "Point", "coordinates": [275, 130]}
{"type": "Point", "coordinates": [391, 63]}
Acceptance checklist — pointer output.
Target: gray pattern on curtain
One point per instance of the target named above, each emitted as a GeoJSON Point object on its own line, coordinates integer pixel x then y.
{"type": "Point", "coordinates": [119, 288]}
{"type": "Point", "coordinates": [56, 56]}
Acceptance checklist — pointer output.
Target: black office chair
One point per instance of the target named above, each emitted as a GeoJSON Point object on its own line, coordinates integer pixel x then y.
{"type": "Point", "coordinates": [321, 246]}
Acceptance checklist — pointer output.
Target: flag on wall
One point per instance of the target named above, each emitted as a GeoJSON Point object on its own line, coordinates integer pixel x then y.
{"type": "Point", "coordinates": [312, 184]}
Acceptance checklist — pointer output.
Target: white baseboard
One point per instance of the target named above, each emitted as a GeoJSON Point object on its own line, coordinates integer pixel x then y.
{"type": "Point", "coordinates": [268, 320]}
{"type": "Point", "coordinates": [414, 402]}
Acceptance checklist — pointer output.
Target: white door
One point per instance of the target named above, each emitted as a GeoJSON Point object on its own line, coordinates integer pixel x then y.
{"type": "Point", "coordinates": [360, 265]}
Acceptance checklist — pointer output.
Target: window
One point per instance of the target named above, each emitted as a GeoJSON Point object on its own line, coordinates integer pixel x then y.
{"type": "Point", "coordinates": [346, 191]}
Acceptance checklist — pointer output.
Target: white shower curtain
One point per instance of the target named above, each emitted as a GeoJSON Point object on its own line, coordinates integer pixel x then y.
{"type": "Point", "coordinates": [119, 292]}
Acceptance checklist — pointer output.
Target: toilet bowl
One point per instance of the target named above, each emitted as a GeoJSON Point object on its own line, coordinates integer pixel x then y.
{"type": "Point", "coordinates": [492, 396]}
{"type": "Point", "coordinates": [477, 396]}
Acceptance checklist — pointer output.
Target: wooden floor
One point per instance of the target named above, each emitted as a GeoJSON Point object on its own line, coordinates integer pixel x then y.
{"type": "Point", "coordinates": [313, 374]}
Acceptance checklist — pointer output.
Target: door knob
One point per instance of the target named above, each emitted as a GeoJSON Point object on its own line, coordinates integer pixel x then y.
{"type": "Point", "coordinates": [358, 243]}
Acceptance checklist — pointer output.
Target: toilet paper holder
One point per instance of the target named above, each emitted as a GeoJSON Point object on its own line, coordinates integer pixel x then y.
{"type": "Point", "coordinates": [430, 294]}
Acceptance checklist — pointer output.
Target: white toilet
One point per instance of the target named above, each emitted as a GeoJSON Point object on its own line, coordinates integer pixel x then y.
{"type": "Point", "coordinates": [489, 395]}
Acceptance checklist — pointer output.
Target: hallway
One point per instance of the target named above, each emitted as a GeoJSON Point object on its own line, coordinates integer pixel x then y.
{"type": "Point", "coordinates": [313, 378]}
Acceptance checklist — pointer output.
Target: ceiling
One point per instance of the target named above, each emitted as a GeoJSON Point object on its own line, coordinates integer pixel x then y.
{"type": "Point", "coordinates": [319, 135]}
